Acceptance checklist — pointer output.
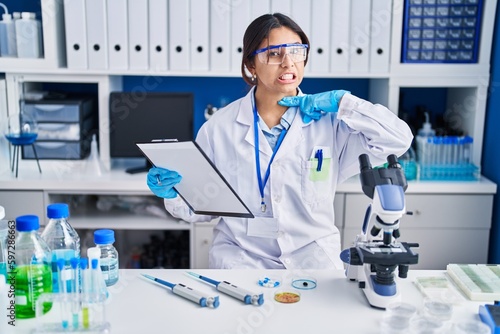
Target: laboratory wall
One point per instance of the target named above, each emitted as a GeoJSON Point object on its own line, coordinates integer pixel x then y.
{"type": "Point", "coordinates": [491, 145]}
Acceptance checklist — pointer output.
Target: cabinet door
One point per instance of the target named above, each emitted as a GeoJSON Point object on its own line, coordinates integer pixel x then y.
{"type": "Point", "coordinates": [18, 203]}
{"type": "Point", "coordinates": [202, 241]}
{"type": "Point", "coordinates": [448, 228]}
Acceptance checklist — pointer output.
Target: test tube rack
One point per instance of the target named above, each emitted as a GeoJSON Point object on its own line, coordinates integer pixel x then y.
{"type": "Point", "coordinates": [72, 312]}
{"type": "Point", "coordinates": [446, 158]}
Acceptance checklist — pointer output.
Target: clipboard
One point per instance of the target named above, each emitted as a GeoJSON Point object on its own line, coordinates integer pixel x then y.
{"type": "Point", "coordinates": [203, 187]}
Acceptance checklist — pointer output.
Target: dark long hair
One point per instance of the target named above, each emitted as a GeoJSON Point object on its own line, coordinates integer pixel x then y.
{"type": "Point", "coordinates": [258, 31]}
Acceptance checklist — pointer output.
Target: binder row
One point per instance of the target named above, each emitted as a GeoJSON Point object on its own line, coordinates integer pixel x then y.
{"type": "Point", "coordinates": [207, 35]}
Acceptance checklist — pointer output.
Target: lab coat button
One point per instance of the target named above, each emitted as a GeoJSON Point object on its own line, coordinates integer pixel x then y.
{"type": "Point", "coordinates": [280, 234]}
{"type": "Point", "coordinates": [287, 261]}
{"type": "Point", "coordinates": [277, 199]}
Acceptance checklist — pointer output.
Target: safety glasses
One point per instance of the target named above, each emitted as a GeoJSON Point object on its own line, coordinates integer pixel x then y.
{"type": "Point", "coordinates": [275, 54]}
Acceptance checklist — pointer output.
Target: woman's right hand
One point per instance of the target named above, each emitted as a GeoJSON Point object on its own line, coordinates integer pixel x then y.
{"type": "Point", "coordinates": [161, 182]}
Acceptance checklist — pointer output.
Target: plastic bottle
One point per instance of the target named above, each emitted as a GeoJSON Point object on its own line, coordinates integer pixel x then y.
{"type": "Point", "coordinates": [409, 164]}
{"type": "Point", "coordinates": [33, 272]}
{"type": "Point", "coordinates": [28, 36]}
{"type": "Point", "coordinates": [424, 145]}
{"type": "Point", "coordinates": [93, 163]}
{"type": "Point", "coordinates": [8, 45]}
{"type": "Point", "coordinates": [104, 240]}
{"type": "Point", "coordinates": [62, 239]}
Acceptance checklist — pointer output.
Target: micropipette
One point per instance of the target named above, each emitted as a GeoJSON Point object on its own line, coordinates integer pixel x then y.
{"type": "Point", "coordinates": [232, 290]}
{"type": "Point", "coordinates": [188, 293]}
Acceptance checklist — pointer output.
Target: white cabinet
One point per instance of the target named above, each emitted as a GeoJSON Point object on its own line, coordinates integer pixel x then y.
{"type": "Point", "coordinates": [450, 228]}
{"type": "Point", "coordinates": [17, 203]}
{"type": "Point", "coordinates": [201, 241]}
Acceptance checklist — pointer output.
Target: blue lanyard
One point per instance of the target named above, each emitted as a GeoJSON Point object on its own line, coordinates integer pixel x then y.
{"type": "Point", "coordinates": [262, 184]}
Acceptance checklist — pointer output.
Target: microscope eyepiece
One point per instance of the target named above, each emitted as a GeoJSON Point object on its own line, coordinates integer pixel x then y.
{"type": "Point", "coordinates": [392, 161]}
{"type": "Point", "coordinates": [364, 162]}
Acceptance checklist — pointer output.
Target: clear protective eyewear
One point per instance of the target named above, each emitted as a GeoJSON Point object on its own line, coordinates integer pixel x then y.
{"type": "Point", "coordinates": [275, 54]}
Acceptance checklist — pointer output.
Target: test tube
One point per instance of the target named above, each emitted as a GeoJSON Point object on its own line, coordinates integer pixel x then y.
{"type": "Point", "coordinates": [64, 293]}
{"type": "Point", "coordinates": [85, 293]}
{"type": "Point", "coordinates": [467, 149]}
{"type": "Point", "coordinates": [75, 290]}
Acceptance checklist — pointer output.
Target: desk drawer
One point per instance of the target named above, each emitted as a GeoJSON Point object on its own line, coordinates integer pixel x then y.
{"type": "Point", "coordinates": [65, 131]}
{"type": "Point", "coordinates": [431, 211]}
{"type": "Point", "coordinates": [59, 111]}
{"type": "Point", "coordinates": [58, 150]}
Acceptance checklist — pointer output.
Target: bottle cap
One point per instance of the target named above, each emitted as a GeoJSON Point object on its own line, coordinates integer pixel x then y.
{"type": "Point", "coordinates": [6, 17]}
{"type": "Point", "coordinates": [102, 237]}
{"type": "Point", "coordinates": [58, 210]}
{"type": "Point", "coordinates": [27, 223]}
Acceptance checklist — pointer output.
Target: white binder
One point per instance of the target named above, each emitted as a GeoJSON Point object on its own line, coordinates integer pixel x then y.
{"type": "Point", "coordinates": [360, 36]}
{"type": "Point", "coordinates": [281, 6]}
{"type": "Point", "coordinates": [117, 34]}
{"type": "Point", "coordinates": [258, 8]}
{"type": "Point", "coordinates": [320, 36]}
{"type": "Point", "coordinates": [158, 35]}
{"type": "Point", "coordinates": [97, 36]}
{"type": "Point", "coordinates": [240, 19]}
{"type": "Point", "coordinates": [76, 34]}
{"type": "Point", "coordinates": [340, 36]}
{"type": "Point", "coordinates": [200, 28]}
{"type": "Point", "coordinates": [301, 13]}
{"type": "Point", "coordinates": [178, 35]}
{"type": "Point", "coordinates": [219, 36]}
{"type": "Point", "coordinates": [380, 44]}
{"type": "Point", "coordinates": [138, 42]}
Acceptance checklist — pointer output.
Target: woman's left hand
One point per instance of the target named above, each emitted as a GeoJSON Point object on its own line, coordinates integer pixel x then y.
{"type": "Point", "coordinates": [314, 106]}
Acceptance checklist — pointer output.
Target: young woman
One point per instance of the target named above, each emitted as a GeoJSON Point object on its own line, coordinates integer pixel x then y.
{"type": "Point", "coordinates": [284, 154]}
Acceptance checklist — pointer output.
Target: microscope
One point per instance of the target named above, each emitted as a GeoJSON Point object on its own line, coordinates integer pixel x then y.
{"type": "Point", "coordinates": [373, 260]}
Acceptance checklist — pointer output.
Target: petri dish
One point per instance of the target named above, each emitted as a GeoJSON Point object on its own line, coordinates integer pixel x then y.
{"type": "Point", "coordinates": [304, 283]}
{"type": "Point", "coordinates": [269, 282]}
{"type": "Point", "coordinates": [401, 309]}
{"type": "Point", "coordinates": [438, 309]}
{"type": "Point", "coordinates": [394, 324]}
{"type": "Point", "coordinates": [423, 324]}
{"type": "Point", "coordinates": [287, 296]}
{"type": "Point", "coordinates": [471, 327]}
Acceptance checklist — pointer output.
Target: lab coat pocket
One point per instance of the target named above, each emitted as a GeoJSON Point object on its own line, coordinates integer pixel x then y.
{"type": "Point", "coordinates": [316, 184]}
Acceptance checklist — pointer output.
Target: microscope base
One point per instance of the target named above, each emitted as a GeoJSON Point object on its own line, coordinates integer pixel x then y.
{"type": "Point", "coordinates": [378, 296]}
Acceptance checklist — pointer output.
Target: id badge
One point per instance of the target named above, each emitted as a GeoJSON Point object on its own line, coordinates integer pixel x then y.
{"type": "Point", "coordinates": [263, 227]}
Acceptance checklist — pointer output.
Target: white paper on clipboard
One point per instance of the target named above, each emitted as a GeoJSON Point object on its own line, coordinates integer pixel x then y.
{"type": "Point", "coordinates": [203, 188]}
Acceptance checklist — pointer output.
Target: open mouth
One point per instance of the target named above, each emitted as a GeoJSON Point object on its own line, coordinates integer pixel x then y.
{"type": "Point", "coordinates": [287, 76]}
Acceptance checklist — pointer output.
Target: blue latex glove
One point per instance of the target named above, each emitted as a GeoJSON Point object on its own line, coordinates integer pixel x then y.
{"type": "Point", "coordinates": [314, 106]}
{"type": "Point", "coordinates": [161, 182]}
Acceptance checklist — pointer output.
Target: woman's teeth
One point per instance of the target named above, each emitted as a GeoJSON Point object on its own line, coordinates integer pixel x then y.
{"type": "Point", "coordinates": [286, 77]}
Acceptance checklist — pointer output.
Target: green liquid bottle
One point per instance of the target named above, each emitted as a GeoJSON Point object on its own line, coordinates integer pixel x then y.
{"type": "Point", "coordinates": [33, 271]}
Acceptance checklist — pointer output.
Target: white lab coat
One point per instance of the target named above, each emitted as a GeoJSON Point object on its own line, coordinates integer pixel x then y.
{"type": "Point", "coordinates": [300, 201]}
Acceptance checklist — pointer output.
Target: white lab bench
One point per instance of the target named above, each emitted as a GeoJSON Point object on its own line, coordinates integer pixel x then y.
{"type": "Point", "coordinates": [336, 305]}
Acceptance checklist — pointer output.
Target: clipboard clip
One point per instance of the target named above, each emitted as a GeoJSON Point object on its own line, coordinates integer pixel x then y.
{"type": "Point", "coordinates": [164, 140]}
